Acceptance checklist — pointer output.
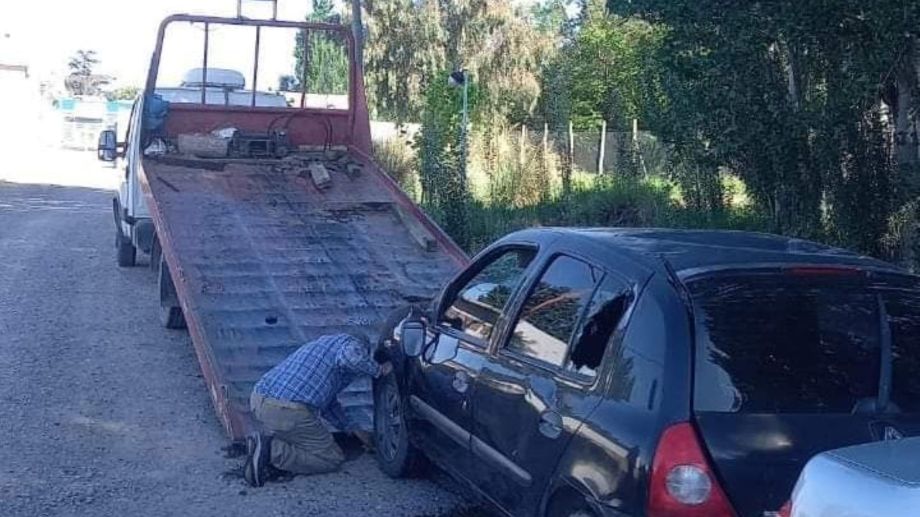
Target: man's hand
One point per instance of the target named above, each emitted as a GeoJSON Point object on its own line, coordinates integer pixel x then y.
{"type": "Point", "coordinates": [385, 369]}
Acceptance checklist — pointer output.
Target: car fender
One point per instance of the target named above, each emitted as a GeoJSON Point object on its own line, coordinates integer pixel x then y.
{"type": "Point", "coordinates": [575, 490]}
{"type": "Point", "coordinates": [605, 468]}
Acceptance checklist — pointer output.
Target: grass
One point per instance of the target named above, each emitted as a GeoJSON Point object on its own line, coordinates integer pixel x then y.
{"type": "Point", "coordinates": [510, 195]}
{"type": "Point", "coordinates": [610, 203]}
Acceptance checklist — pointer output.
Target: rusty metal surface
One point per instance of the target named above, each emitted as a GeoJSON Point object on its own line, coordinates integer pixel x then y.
{"type": "Point", "coordinates": [304, 125]}
{"type": "Point", "coordinates": [263, 261]}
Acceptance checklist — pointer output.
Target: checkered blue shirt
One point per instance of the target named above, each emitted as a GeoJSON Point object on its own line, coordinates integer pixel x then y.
{"type": "Point", "coordinates": [318, 371]}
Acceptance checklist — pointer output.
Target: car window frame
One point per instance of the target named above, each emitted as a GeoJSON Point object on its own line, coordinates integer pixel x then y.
{"type": "Point", "coordinates": [452, 291]}
{"type": "Point", "coordinates": [500, 347]}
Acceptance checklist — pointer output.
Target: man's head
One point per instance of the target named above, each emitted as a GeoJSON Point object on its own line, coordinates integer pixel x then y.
{"type": "Point", "coordinates": [361, 335]}
{"type": "Point", "coordinates": [364, 336]}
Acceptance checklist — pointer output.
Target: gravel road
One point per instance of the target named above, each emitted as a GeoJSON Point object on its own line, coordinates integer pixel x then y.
{"type": "Point", "coordinates": [103, 412]}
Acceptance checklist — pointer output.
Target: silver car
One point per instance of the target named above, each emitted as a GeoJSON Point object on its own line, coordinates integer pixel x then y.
{"type": "Point", "coordinates": [880, 479]}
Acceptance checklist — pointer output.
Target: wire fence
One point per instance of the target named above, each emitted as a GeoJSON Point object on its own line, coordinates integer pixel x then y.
{"type": "Point", "coordinates": [522, 166]}
{"type": "Point", "coordinates": [82, 119]}
{"type": "Point", "coordinates": [597, 152]}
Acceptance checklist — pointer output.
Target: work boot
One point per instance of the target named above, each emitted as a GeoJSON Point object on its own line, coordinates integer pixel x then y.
{"type": "Point", "coordinates": [258, 459]}
{"type": "Point", "coordinates": [274, 474]}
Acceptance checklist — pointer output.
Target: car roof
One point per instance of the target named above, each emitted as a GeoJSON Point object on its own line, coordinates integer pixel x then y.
{"type": "Point", "coordinates": [691, 251]}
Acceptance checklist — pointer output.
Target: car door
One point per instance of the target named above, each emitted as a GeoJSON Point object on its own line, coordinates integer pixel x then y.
{"type": "Point", "coordinates": [464, 322]}
{"type": "Point", "coordinates": [124, 187]}
{"type": "Point", "coordinates": [533, 393]}
{"type": "Point", "coordinates": [136, 205]}
{"type": "Point", "coordinates": [129, 194]}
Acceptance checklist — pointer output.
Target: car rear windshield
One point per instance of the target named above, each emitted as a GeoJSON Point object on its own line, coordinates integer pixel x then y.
{"type": "Point", "coordinates": [787, 343]}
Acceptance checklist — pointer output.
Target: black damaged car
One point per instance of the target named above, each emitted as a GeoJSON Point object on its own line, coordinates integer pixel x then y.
{"type": "Point", "coordinates": [649, 372]}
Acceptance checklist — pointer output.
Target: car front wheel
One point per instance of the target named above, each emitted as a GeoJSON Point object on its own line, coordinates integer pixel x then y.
{"type": "Point", "coordinates": [395, 455]}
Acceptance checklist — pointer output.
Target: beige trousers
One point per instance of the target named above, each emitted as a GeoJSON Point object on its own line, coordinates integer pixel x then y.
{"type": "Point", "coordinates": [300, 442]}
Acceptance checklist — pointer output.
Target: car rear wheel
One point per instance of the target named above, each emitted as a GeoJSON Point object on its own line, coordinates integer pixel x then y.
{"type": "Point", "coordinates": [569, 503]}
{"type": "Point", "coordinates": [395, 455]}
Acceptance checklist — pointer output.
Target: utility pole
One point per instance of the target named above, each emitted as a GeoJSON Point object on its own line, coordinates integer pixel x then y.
{"type": "Point", "coordinates": [461, 78]}
{"type": "Point", "coordinates": [464, 135]}
{"type": "Point", "coordinates": [357, 28]}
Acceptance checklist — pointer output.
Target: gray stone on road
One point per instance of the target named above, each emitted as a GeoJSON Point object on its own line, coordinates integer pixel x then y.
{"type": "Point", "coordinates": [104, 412]}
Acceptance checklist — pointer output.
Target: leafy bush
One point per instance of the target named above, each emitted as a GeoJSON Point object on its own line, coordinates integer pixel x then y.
{"type": "Point", "coordinates": [398, 159]}
{"type": "Point", "coordinates": [508, 194]}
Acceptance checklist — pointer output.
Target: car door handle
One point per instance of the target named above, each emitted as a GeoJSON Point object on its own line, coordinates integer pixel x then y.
{"type": "Point", "coordinates": [461, 382]}
{"type": "Point", "coordinates": [550, 424]}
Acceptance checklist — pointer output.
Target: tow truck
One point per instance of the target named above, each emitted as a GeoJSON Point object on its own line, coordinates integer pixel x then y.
{"type": "Point", "coordinates": [263, 212]}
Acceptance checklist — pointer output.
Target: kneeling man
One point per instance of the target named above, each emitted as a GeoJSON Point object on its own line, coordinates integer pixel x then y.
{"type": "Point", "coordinates": [288, 400]}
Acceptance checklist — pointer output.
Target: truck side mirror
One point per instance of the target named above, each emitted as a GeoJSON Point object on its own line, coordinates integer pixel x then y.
{"type": "Point", "coordinates": [412, 335]}
{"type": "Point", "coordinates": [107, 150]}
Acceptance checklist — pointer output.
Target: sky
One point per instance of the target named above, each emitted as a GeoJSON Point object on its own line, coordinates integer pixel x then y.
{"type": "Point", "coordinates": [43, 34]}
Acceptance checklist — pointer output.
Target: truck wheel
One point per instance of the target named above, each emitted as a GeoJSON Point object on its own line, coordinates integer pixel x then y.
{"type": "Point", "coordinates": [126, 253]}
{"type": "Point", "coordinates": [395, 455]}
{"type": "Point", "coordinates": [170, 312]}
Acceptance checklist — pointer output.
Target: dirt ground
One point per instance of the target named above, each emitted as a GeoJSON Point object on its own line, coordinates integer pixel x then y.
{"type": "Point", "coordinates": [103, 411]}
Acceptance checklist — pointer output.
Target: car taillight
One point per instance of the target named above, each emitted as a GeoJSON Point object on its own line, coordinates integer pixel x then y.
{"type": "Point", "coordinates": [682, 483]}
{"type": "Point", "coordinates": [786, 510]}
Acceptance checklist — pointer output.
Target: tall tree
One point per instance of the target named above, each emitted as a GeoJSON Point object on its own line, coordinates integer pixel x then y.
{"type": "Point", "coordinates": [82, 79]}
{"type": "Point", "coordinates": [327, 58]}
{"type": "Point", "coordinates": [411, 43]}
{"type": "Point", "coordinates": [403, 52]}
{"type": "Point", "coordinates": [789, 95]}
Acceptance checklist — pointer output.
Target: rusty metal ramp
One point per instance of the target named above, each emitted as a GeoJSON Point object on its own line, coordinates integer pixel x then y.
{"type": "Point", "coordinates": [269, 255]}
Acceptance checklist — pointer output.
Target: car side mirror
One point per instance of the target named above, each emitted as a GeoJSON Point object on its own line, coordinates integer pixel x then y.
{"type": "Point", "coordinates": [412, 335]}
{"type": "Point", "coordinates": [107, 150]}
{"type": "Point", "coordinates": [445, 349]}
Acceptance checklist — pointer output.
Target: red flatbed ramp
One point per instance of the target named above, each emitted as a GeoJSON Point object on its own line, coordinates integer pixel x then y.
{"type": "Point", "coordinates": [264, 260]}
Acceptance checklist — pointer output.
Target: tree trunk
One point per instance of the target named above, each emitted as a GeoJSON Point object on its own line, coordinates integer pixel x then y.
{"type": "Point", "coordinates": [791, 61]}
{"type": "Point", "coordinates": [907, 152]}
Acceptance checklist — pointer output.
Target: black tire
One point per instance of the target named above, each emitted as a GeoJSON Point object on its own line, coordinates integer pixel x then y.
{"type": "Point", "coordinates": [395, 455]}
{"type": "Point", "coordinates": [126, 253]}
{"type": "Point", "coordinates": [569, 503]}
{"type": "Point", "coordinates": [171, 315]}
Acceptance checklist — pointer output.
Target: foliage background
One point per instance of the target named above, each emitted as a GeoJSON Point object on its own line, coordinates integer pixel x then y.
{"type": "Point", "coordinates": [796, 117]}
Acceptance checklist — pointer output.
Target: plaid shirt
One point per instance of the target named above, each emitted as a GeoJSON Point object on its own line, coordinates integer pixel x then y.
{"type": "Point", "coordinates": [317, 372]}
